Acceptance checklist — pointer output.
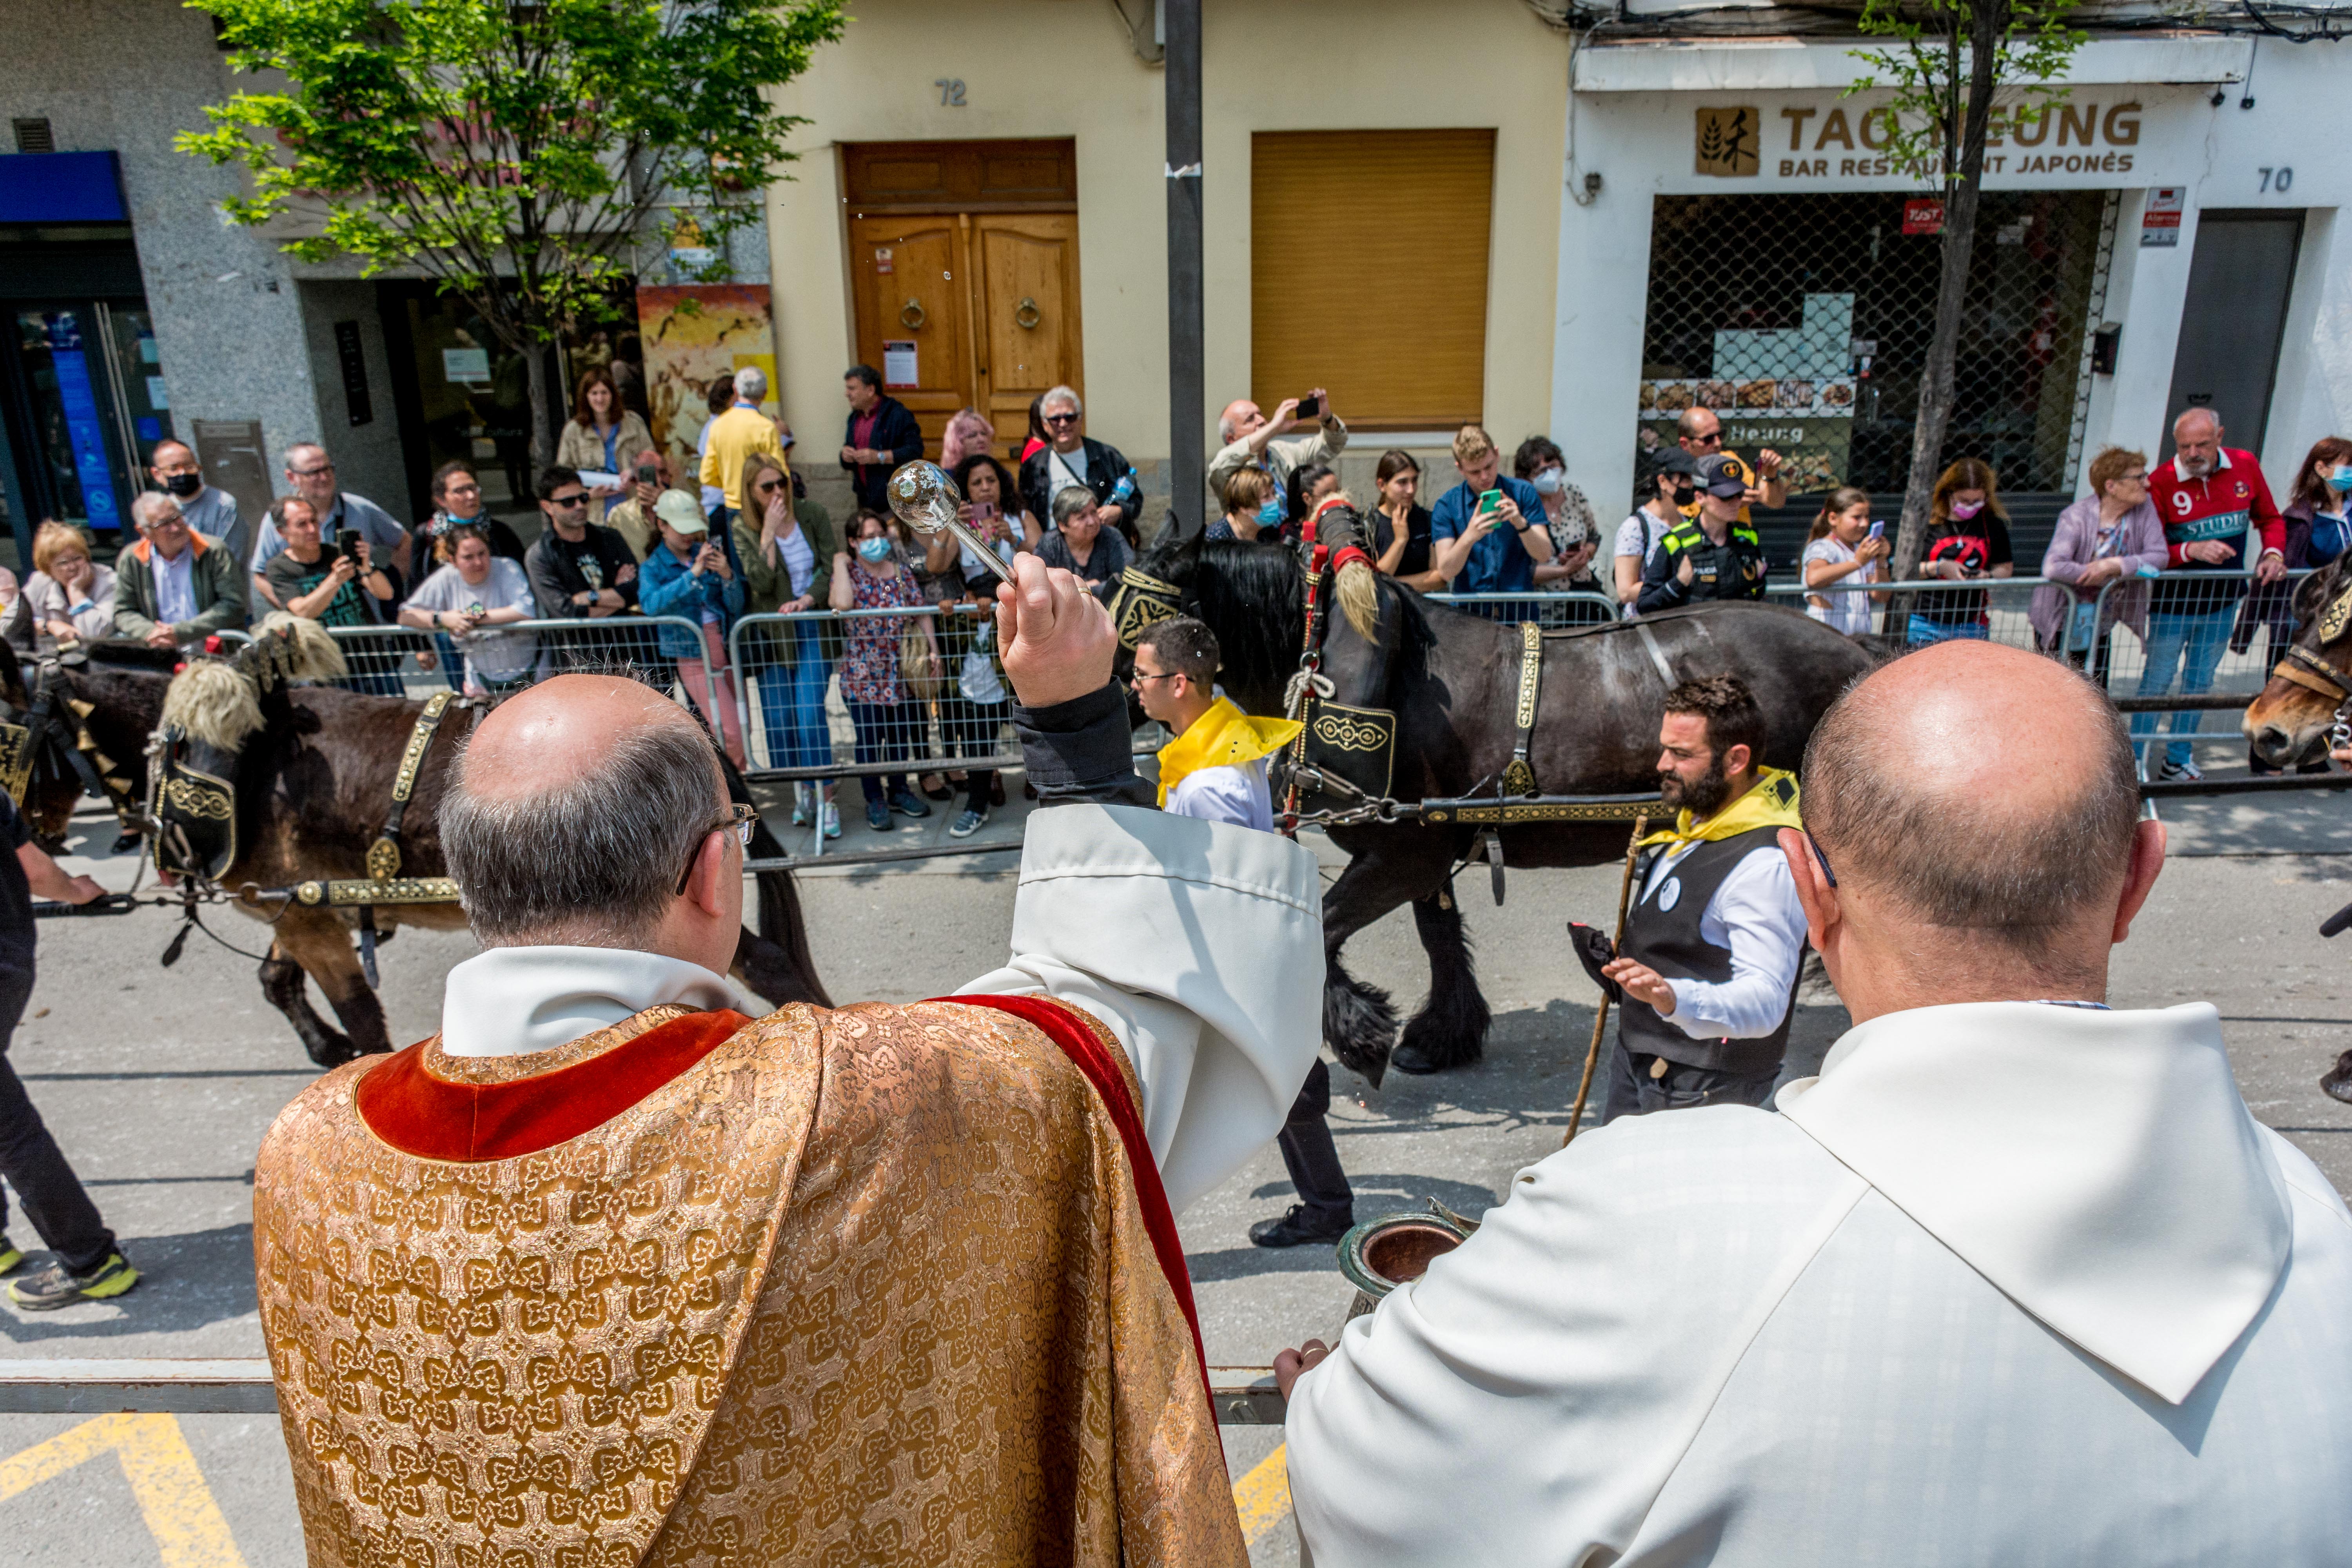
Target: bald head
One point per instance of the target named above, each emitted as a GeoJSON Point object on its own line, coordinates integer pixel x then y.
{"type": "Point", "coordinates": [573, 807]}
{"type": "Point", "coordinates": [1239, 418]}
{"type": "Point", "coordinates": [1978, 790]}
{"type": "Point", "coordinates": [2194, 422]}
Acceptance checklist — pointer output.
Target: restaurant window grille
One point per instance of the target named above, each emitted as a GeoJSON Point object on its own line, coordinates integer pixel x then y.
{"type": "Point", "coordinates": [1803, 321]}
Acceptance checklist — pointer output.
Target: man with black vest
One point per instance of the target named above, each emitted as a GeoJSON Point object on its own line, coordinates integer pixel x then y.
{"type": "Point", "coordinates": [1708, 971]}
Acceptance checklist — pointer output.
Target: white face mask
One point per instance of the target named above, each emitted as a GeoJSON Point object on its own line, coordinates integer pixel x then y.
{"type": "Point", "coordinates": [1550, 481]}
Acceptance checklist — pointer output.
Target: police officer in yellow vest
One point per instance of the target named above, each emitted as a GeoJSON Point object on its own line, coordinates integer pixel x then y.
{"type": "Point", "coordinates": [1715, 554]}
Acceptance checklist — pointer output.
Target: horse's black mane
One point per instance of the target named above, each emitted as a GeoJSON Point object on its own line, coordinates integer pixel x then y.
{"type": "Point", "coordinates": [1258, 594]}
{"type": "Point", "coordinates": [125, 655]}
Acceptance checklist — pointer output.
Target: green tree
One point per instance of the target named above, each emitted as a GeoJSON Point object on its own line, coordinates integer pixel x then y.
{"type": "Point", "coordinates": [1949, 64]}
{"type": "Point", "coordinates": [520, 154]}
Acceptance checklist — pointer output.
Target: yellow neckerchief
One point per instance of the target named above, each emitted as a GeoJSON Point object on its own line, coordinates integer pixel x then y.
{"type": "Point", "coordinates": [1770, 802]}
{"type": "Point", "coordinates": [1224, 737]}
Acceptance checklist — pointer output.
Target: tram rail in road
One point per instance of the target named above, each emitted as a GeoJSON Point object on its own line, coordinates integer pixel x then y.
{"type": "Point", "coordinates": [1243, 1396]}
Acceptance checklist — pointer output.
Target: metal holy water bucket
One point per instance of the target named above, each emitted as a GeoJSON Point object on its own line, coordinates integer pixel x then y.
{"type": "Point", "coordinates": [1381, 1254]}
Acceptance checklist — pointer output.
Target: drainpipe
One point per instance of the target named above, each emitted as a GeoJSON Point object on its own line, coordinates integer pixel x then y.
{"type": "Point", "coordinates": [1188, 458]}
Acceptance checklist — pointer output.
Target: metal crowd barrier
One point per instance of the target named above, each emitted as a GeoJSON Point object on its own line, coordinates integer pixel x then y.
{"type": "Point", "coordinates": [2210, 632]}
{"type": "Point", "coordinates": [1241, 1395]}
{"type": "Point", "coordinates": [402, 662]}
{"type": "Point", "coordinates": [1577, 607]}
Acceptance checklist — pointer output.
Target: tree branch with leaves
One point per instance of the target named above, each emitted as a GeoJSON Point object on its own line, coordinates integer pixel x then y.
{"type": "Point", "coordinates": [516, 154]}
{"type": "Point", "coordinates": [1949, 63]}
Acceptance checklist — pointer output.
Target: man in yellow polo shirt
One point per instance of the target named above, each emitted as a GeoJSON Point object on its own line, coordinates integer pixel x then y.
{"type": "Point", "coordinates": [735, 436]}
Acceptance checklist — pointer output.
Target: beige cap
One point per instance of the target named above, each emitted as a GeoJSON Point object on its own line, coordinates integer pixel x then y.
{"type": "Point", "coordinates": [682, 513]}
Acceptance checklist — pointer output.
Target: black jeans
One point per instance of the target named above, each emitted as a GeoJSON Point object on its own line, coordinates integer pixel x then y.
{"type": "Point", "coordinates": [1310, 1156]}
{"type": "Point", "coordinates": [46, 1185]}
{"type": "Point", "coordinates": [971, 731]}
{"type": "Point", "coordinates": [1634, 1092]}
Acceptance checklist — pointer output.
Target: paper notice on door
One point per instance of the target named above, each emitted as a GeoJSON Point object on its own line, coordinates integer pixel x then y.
{"type": "Point", "coordinates": [158, 397]}
{"type": "Point", "coordinates": [466, 366]}
{"type": "Point", "coordinates": [899, 365]}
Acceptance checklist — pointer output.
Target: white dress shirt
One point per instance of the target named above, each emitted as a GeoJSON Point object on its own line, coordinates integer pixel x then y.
{"type": "Point", "coordinates": [1199, 945]}
{"type": "Point", "coordinates": [2006, 1283]}
{"type": "Point", "coordinates": [1238, 795]}
{"type": "Point", "coordinates": [1755, 914]}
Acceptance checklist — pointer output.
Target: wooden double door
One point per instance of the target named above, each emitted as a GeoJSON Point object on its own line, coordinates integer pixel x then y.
{"type": "Point", "coordinates": [964, 275]}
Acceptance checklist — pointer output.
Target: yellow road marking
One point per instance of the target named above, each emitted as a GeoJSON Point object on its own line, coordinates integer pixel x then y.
{"type": "Point", "coordinates": [1263, 1497]}
{"type": "Point", "coordinates": [179, 1509]}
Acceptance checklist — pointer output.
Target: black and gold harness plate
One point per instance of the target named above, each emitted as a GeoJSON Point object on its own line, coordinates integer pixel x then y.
{"type": "Point", "coordinates": [1142, 600]}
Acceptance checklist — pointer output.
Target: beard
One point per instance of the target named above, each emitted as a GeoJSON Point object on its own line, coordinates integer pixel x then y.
{"type": "Point", "coordinates": [1704, 796]}
{"type": "Point", "coordinates": [2196, 467]}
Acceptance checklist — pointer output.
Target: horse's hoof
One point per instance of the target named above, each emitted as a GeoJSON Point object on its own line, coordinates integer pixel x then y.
{"type": "Point", "coordinates": [1410, 1058]}
{"type": "Point", "coordinates": [2338, 1084]}
{"type": "Point", "coordinates": [332, 1052]}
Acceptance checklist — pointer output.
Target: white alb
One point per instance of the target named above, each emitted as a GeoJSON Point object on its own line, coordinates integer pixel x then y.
{"type": "Point", "coordinates": [2006, 1283]}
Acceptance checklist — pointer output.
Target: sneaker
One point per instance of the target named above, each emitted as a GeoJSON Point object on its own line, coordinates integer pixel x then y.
{"type": "Point", "coordinates": [2172, 770]}
{"type": "Point", "coordinates": [801, 793]}
{"type": "Point", "coordinates": [903, 802]}
{"type": "Point", "coordinates": [828, 818]}
{"type": "Point", "coordinates": [55, 1286]}
{"type": "Point", "coordinates": [967, 824]}
{"type": "Point", "coordinates": [12, 1256]}
{"type": "Point", "coordinates": [877, 817]}
{"type": "Point", "coordinates": [1297, 1227]}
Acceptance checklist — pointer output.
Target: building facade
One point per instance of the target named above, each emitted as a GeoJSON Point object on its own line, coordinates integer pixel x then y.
{"type": "Point", "coordinates": [2167, 235]}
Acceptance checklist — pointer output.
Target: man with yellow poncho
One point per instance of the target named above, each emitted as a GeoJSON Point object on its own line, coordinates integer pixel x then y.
{"type": "Point", "coordinates": [1215, 769]}
{"type": "Point", "coordinates": [1707, 972]}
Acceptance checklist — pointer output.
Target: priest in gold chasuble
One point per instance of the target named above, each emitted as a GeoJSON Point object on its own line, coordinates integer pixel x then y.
{"type": "Point", "coordinates": [606, 1273]}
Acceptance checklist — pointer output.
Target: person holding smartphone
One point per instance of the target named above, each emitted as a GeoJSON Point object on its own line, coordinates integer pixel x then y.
{"type": "Point", "coordinates": [1249, 440]}
{"type": "Point", "coordinates": [1484, 535]}
{"type": "Point", "coordinates": [1844, 547]}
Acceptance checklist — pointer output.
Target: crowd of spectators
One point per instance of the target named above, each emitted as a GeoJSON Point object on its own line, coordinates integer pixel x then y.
{"type": "Point", "coordinates": [2186, 556]}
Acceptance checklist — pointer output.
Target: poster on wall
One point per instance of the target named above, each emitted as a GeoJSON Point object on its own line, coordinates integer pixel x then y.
{"type": "Point", "coordinates": [1791, 389]}
{"type": "Point", "coordinates": [693, 334]}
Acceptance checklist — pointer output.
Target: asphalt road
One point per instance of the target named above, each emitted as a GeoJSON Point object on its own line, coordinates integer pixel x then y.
{"type": "Point", "coordinates": [160, 1083]}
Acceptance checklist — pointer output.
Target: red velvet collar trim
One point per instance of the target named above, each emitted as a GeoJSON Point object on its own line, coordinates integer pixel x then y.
{"type": "Point", "coordinates": [434, 1118]}
{"type": "Point", "coordinates": [1076, 1038]}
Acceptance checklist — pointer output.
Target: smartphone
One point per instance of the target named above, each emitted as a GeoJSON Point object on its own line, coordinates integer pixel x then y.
{"type": "Point", "coordinates": [1489, 500]}
{"type": "Point", "coordinates": [1878, 531]}
{"type": "Point", "coordinates": [647, 474]}
{"type": "Point", "coordinates": [346, 540]}
{"type": "Point", "coordinates": [983, 511]}
{"type": "Point", "coordinates": [1310, 408]}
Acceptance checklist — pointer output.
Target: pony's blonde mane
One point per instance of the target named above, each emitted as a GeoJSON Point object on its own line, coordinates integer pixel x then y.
{"type": "Point", "coordinates": [218, 701]}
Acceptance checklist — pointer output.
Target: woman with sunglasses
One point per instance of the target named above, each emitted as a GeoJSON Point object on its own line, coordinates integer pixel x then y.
{"type": "Point", "coordinates": [787, 547]}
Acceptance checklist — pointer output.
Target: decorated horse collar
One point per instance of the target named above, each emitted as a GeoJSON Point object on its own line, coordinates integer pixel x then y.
{"type": "Point", "coordinates": [1141, 601]}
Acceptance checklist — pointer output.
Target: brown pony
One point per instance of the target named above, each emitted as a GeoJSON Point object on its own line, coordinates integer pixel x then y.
{"type": "Point", "coordinates": [313, 787]}
{"type": "Point", "coordinates": [2288, 723]}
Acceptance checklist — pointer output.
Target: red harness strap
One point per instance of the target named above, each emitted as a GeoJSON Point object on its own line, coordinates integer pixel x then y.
{"type": "Point", "coordinates": [1075, 1033]}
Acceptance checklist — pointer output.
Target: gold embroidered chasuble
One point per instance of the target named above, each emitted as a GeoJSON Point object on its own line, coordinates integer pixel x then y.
{"type": "Point", "coordinates": [863, 1286]}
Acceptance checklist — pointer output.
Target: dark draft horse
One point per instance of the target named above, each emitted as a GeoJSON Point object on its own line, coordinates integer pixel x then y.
{"type": "Point", "coordinates": [2288, 723]}
{"type": "Point", "coordinates": [313, 787]}
{"type": "Point", "coordinates": [1451, 678]}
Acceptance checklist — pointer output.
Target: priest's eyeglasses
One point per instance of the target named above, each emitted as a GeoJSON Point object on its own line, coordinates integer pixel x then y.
{"type": "Point", "coordinates": [740, 817]}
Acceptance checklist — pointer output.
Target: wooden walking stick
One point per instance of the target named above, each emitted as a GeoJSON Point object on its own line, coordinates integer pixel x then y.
{"type": "Point", "coordinates": [1600, 1014]}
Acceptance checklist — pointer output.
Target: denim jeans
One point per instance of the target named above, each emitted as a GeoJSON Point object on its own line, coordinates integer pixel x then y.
{"type": "Point", "coordinates": [792, 702]}
{"type": "Point", "coordinates": [886, 733]}
{"type": "Point", "coordinates": [1922, 631]}
{"type": "Point", "coordinates": [2192, 644]}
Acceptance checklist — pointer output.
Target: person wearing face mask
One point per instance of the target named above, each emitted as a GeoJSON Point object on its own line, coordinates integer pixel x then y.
{"type": "Point", "coordinates": [1968, 537]}
{"type": "Point", "coordinates": [1674, 485]}
{"type": "Point", "coordinates": [2319, 508]}
{"type": "Point", "coordinates": [1568, 517]}
{"type": "Point", "coordinates": [208, 508]}
{"type": "Point", "coordinates": [1253, 508]}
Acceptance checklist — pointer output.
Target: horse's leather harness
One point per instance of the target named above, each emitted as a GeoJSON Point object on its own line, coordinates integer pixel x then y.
{"type": "Point", "coordinates": [383, 855]}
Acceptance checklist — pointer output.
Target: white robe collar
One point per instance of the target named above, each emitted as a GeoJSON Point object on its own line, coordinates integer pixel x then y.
{"type": "Point", "coordinates": [2099, 1168]}
{"type": "Point", "coordinates": [511, 1001]}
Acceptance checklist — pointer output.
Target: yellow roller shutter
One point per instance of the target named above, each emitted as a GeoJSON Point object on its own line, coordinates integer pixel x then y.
{"type": "Point", "coordinates": [1368, 272]}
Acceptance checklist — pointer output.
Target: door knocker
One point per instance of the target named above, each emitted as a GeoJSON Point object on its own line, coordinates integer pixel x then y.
{"type": "Point", "coordinates": [1027, 316]}
{"type": "Point", "coordinates": [913, 315]}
